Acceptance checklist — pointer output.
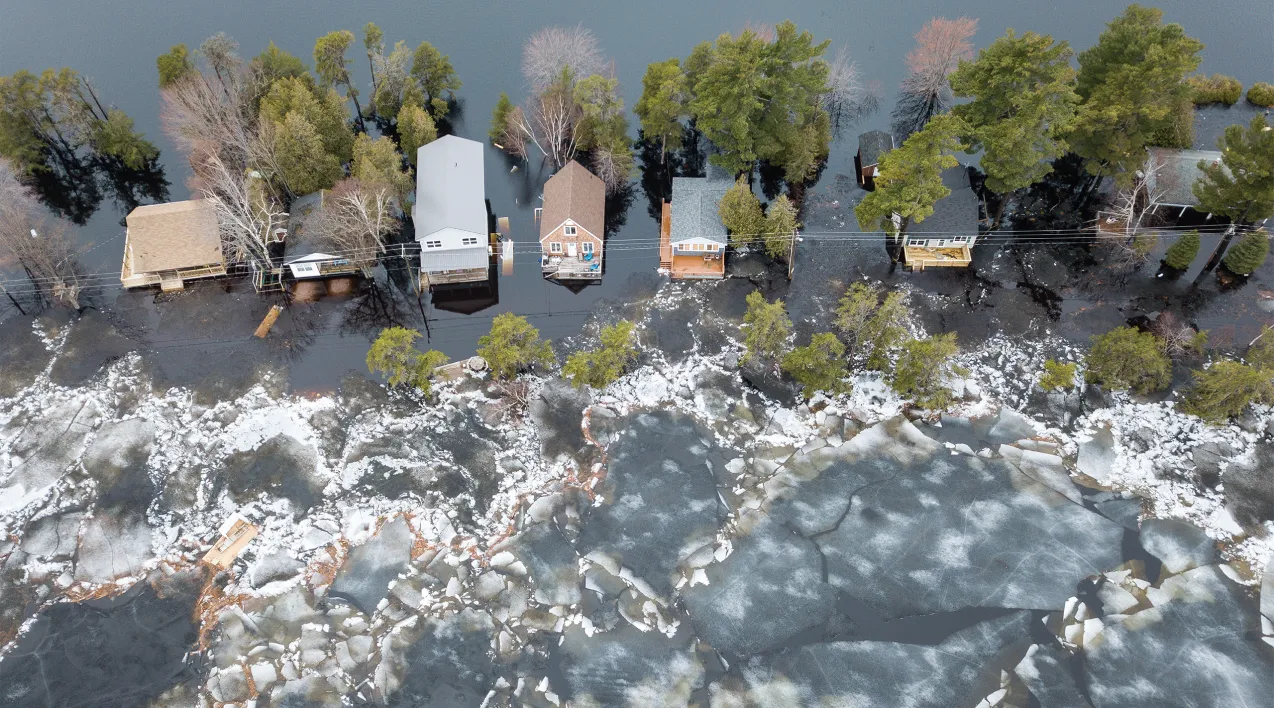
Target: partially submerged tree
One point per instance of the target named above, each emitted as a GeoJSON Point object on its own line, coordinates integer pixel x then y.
{"type": "Point", "coordinates": [377, 163]}
{"type": "Point", "coordinates": [1132, 83]}
{"type": "Point", "coordinates": [174, 65]}
{"type": "Point", "coordinates": [910, 179]}
{"type": "Point", "coordinates": [435, 78]}
{"type": "Point", "coordinates": [855, 309]}
{"type": "Point", "coordinates": [740, 212]}
{"type": "Point", "coordinates": [394, 356]}
{"type": "Point", "coordinates": [1183, 251]}
{"type": "Point", "coordinates": [40, 245]}
{"type": "Point", "coordinates": [1241, 186]}
{"type": "Point", "coordinates": [819, 366]}
{"type": "Point", "coordinates": [513, 346]}
{"type": "Point", "coordinates": [780, 227]}
{"type": "Point", "coordinates": [884, 331]}
{"type": "Point", "coordinates": [663, 104]}
{"type": "Point", "coordinates": [332, 67]}
{"type": "Point", "coordinates": [356, 219]}
{"type": "Point", "coordinates": [1127, 358]}
{"type": "Point", "coordinates": [1260, 351]}
{"type": "Point", "coordinates": [500, 119]}
{"type": "Point", "coordinates": [1023, 104]}
{"type": "Point", "coordinates": [602, 366]}
{"type": "Point", "coordinates": [923, 369]}
{"type": "Point", "coordinates": [847, 99]}
{"type": "Point", "coordinates": [1225, 389]}
{"type": "Point", "coordinates": [768, 329]}
{"type": "Point", "coordinates": [1177, 338]}
{"type": "Point", "coordinates": [926, 92]}
{"type": "Point", "coordinates": [1248, 254]}
{"type": "Point", "coordinates": [553, 49]}
{"type": "Point", "coordinates": [415, 128]}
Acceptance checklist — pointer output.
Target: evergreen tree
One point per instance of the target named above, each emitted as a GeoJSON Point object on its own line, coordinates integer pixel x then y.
{"type": "Point", "coordinates": [1225, 389]}
{"type": "Point", "coordinates": [304, 165]}
{"type": "Point", "coordinates": [855, 309]}
{"type": "Point", "coordinates": [662, 104]}
{"type": "Point", "coordinates": [910, 180]}
{"type": "Point", "coordinates": [740, 211]}
{"type": "Point", "coordinates": [885, 331]}
{"type": "Point", "coordinates": [820, 366]}
{"type": "Point", "coordinates": [415, 128]}
{"type": "Point", "coordinates": [767, 329]}
{"type": "Point", "coordinates": [1241, 187]}
{"type": "Point", "coordinates": [1127, 358]}
{"type": "Point", "coordinates": [333, 68]}
{"type": "Point", "coordinates": [513, 346]}
{"type": "Point", "coordinates": [1183, 251]}
{"type": "Point", "coordinates": [500, 118]}
{"type": "Point", "coordinates": [922, 370]}
{"type": "Point", "coordinates": [377, 163]}
{"type": "Point", "coordinates": [394, 356]}
{"type": "Point", "coordinates": [600, 367]}
{"type": "Point", "coordinates": [1132, 83]}
{"type": "Point", "coordinates": [1023, 104]}
{"type": "Point", "coordinates": [436, 78]}
{"type": "Point", "coordinates": [780, 227]}
{"type": "Point", "coordinates": [322, 109]}
{"type": "Point", "coordinates": [1057, 375]}
{"type": "Point", "coordinates": [1248, 254]}
{"type": "Point", "coordinates": [1260, 353]}
{"type": "Point", "coordinates": [174, 66]}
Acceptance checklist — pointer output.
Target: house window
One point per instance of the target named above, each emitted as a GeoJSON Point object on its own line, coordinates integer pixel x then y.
{"type": "Point", "coordinates": [587, 246]}
{"type": "Point", "coordinates": [570, 230]}
{"type": "Point", "coordinates": [470, 240]}
{"type": "Point", "coordinates": [959, 239]}
{"type": "Point", "coordinates": [712, 247]}
{"type": "Point", "coordinates": [555, 247]}
{"type": "Point", "coordinates": [915, 242]}
{"type": "Point", "coordinates": [433, 244]}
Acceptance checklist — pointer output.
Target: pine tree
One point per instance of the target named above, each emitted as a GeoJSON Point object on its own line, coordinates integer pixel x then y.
{"type": "Point", "coordinates": [500, 118]}
{"type": "Point", "coordinates": [1127, 358]}
{"type": "Point", "coordinates": [435, 77]}
{"type": "Point", "coordinates": [395, 356]}
{"type": "Point", "coordinates": [767, 329]}
{"type": "Point", "coordinates": [885, 331]}
{"type": "Point", "coordinates": [174, 65]}
{"type": "Point", "coordinates": [512, 346]}
{"type": "Point", "coordinates": [1057, 375]}
{"type": "Point", "coordinates": [1248, 254]}
{"type": "Point", "coordinates": [662, 104]}
{"type": "Point", "coordinates": [820, 366]}
{"type": "Point", "coordinates": [377, 163]}
{"type": "Point", "coordinates": [741, 213]}
{"type": "Point", "coordinates": [1225, 389]}
{"type": "Point", "coordinates": [855, 309]}
{"type": "Point", "coordinates": [1241, 186]}
{"type": "Point", "coordinates": [304, 165]}
{"type": "Point", "coordinates": [415, 128]}
{"type": "Point", "coordinates": [780, 227]}
{"type": "Point", "coordinates": [922, 370]}
{"type": "Point", "coordinates": [600, 367]}
{"type": "Point", "coordinates": [1183, 251]}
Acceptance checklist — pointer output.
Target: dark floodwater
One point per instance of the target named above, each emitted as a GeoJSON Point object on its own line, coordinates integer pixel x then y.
{"type": "Point", "coordinates": [115, 44]}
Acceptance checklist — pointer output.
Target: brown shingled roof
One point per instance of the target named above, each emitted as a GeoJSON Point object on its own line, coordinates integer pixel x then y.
{"type": "Point", "coordinates": [173, 236]}
{"type": "Point", "coordinates": [577, 194]}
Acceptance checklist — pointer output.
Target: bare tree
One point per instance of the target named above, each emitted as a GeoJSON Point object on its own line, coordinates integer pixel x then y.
{"type": "Point", "coordinates": [1176, 337]}
{"type": "Point", "coordinates": [210, 108]}
{"type": "Point", "coordinates": [1134, 208]}
{"type": "Point", "coordinates": [248, 213]}
{"type": "Point", "coordinates": [354, 221]}
{"type": "Point", "coordinates": [847, 100]}
{"type": "Point", "coordinates": [926, 92]}
{"type": "Point", "coordinates": [549, 124]}
{"type": "Point", "coordinates": [614, 167]}
{"type": "Point", "coordinates": [552, 49]}
{"type": "Point", "coordinates": [39, 243]}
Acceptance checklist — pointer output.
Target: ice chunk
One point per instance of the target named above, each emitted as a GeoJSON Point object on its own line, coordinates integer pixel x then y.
{"type": "Point", "coordinates": [552, 562]}
{"type": "Point", "coordinates": [364, 578]}
{"type": "Point", "coordinates": [1097, 455]}
{"type": "Point", "coordinates": [54, 537]}
{"type": "Point", "coordinates": [276, 566]}
{"type": "Point", "coordinates": [113, 547]}
{"type": "Point", "coordinates": [1181, 546]}
{"type": "Point", "coordinates": [449, 665]}
{"type": "Point", "coordinates": [627, 667]}
{"type": "Point", "coordinates": [1045, 673]}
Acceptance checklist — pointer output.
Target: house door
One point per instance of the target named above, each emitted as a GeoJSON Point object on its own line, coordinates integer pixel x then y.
{"type": "Point", "coordinates": [570, 249]}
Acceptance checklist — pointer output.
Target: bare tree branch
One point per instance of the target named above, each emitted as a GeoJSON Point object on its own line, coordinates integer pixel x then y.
{"type": "Point", "coordinates": [847, 100]}
{"type": "Point", "coordinates": [940, 45]}
{"type": "Point", "coordinates": [354, 221]}
{"type": "Point", "coordinates": [39, 243]}
{"type": "Point", "coordinates": [552, 49]}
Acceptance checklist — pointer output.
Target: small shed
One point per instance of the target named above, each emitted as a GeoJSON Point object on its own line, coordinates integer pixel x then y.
{"type": "Point", "coordinates": [168, 244]}
{"type": "Point", "coordinates": [871, 147]}
{"type": "Point", "coordinates": [572, 224]}
{"type": "Point", "coordinates": [303, 255]}
{"type": "Point", "coordinates": [1172, 172]}
{"type": "Point", "coordinates": [692, 238]}
{"type": "Point", "coordinates": [450, 213]}
{"type": "Point", "coordinates": [946, 237]}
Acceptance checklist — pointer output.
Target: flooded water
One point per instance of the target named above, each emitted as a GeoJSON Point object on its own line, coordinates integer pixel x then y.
{"type": "Point", "coordinates": [116, 46]}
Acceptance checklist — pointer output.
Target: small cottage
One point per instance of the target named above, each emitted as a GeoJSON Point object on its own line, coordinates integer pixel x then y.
{"type": "Point", "coordinates": [168, 244]}
{"type": "Point", "coordinates": [572, 224]}
{"type": "Point", "coordinates": [692, 239]}
{"type": "Point", "coordinates": [946, 237]}
{"type": "Point", "coordinates": [871, 147]}
{"type": "Point", "coordinates": [1171, 174]}
{"type": "Point", "coordinates": [450, 213]}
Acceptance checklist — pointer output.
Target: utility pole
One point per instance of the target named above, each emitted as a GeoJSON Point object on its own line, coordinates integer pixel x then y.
{"type": "Point", "coordinates": [791, 256]}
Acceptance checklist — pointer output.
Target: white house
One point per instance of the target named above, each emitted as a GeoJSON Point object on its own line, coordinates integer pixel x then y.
{"type": "Point", "coordinates": [450, 214]}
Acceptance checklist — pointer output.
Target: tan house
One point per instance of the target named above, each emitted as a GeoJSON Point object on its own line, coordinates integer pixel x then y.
{"type": "Point", "coordinates": [168, 244]}
{"type": "Point", "coordinates": [572, 224]}
{"type": "Point", "coordinates": [692, 239]}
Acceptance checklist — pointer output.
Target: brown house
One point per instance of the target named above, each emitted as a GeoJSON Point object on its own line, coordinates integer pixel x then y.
{"type": "Point", "coordinates": [871, 146]}
{"type": "Point", "coordinates": [168, 244]}
{"type": "Point", "coordinates": [572, 224]}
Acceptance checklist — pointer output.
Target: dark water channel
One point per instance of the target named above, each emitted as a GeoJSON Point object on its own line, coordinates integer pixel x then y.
{"type": "Point", "coordinates": [115, 44]}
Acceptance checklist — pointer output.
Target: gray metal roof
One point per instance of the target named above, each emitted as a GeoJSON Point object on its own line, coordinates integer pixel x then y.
{"type": "Point", "coordinates": [449, 187]}
{"type": "Point", "coordinates": [872, 145]}
{"type": "Point", "coordinates": [1171, 174]}
{"type": "Point", "coordinates": [956, 213]}
{"type": "Point", "coordinates": [454, 259]}
{"type": "Point", "coordinates": [694, 208]}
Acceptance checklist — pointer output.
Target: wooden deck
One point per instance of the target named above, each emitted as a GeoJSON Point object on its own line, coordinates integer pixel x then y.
{"type": "Point", "coordinates": [169, 280]}
{"type": "Point", "coordinates": [919, 258]}
{"type": "Point", "coordinates": [232, 542]}
{"type": "Point", "coordinates": [665, 238]}
{"type": "Point", "coordinates": [695, 267]}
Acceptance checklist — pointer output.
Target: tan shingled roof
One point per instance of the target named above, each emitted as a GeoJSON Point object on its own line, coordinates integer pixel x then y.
{"type": "Point", "coordinates": [173, 236]}
{"type": "Point", "coordinates": [577, 194]}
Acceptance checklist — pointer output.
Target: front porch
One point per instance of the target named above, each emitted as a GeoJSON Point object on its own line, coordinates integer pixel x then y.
{"type": "Point", "coordinates": [567, 268]}
{"type": "Point", "coordinates": [169, 280]}
{"type": "Point", "coordinates": [921, 257]}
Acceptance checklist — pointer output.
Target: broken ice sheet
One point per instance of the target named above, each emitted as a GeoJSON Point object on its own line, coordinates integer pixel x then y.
{"type": "Point", "coordinates": [627, 667]}
{"type": "Point", "coordinates": [364, 578]}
